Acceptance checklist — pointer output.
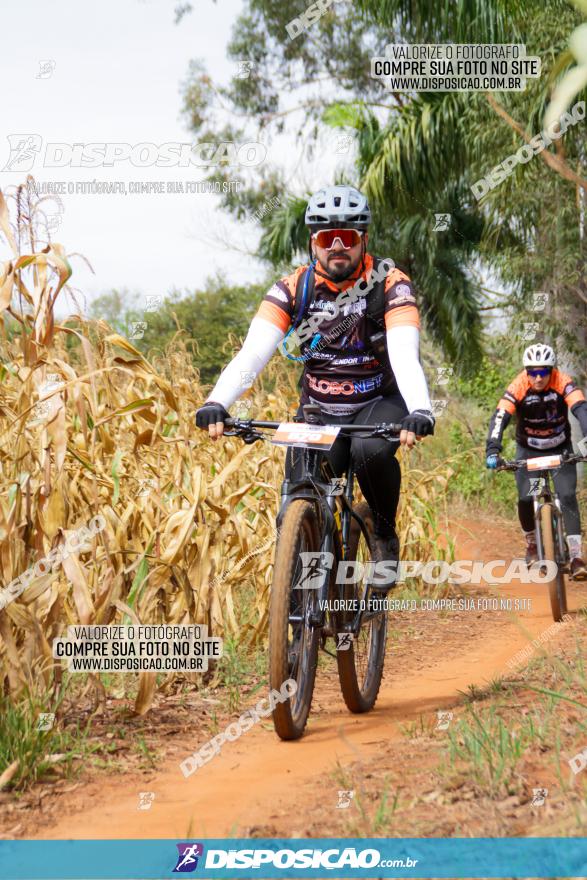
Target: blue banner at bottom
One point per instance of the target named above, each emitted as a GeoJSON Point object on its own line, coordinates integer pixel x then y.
{"type": "Point", "coordinates": [321, 858]}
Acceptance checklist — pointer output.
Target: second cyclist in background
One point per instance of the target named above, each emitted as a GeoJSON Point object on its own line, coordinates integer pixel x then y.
{"type": "Point", "coordinates": [540, 397]}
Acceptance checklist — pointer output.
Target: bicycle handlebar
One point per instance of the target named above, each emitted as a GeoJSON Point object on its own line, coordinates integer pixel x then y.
{"type": "Point", "coordinates": [521, 463]}
{"type": "Point", "coordinates": [249, 425]}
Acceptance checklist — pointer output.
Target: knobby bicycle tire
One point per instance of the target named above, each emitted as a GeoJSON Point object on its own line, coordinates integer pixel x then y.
{"type": "Point", "coordinates": [556, 586]}
{"type": "Point", "coordinates": [360, 671]}
{"type": "Point", "coordinates": [293, 650]}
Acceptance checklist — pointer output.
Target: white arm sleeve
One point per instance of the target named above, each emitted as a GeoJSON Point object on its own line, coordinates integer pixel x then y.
{"type": "Point", "coordinates": [403, 346]}
{"type": "Point", "coordinates": [262, 340]}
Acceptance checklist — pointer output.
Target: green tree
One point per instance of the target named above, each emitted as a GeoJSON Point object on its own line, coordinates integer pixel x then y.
{"type": "Point", "coordinates": [118, 308]}
{"type": "Point", "coordinates": [210, 321]}
{"type": "Point", "coordinates": [418, 154]}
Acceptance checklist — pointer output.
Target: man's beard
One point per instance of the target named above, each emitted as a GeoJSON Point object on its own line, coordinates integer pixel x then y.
{"type": "Point", "coordinates": [342, 273]}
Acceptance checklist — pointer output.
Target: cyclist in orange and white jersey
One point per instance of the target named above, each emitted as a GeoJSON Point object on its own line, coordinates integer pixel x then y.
{"type": "Point", "coordinates": [540, 397]}
{"type": "Point", "coordinates": [350, 378]}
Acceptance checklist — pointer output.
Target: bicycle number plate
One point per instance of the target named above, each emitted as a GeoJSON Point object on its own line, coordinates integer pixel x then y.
{"type": "Point", "coordinates": [543, 463]}
{"type": "Point", "coordinates": [308, 436]}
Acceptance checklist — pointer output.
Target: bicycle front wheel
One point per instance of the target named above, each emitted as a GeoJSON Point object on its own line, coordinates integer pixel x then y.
{"type": "Point", "coordinates": [293, 642]}
{"type": "Point", "coordinates": [556, 586]}
{"type": "Point", "coordinates": [360, 666]}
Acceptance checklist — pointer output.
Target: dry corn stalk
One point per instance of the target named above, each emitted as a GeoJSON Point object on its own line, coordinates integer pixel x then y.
{"type": "Point", "coordinates": [88, 427]}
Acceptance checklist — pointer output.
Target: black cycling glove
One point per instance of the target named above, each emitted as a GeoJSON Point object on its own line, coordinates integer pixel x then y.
{"type": "Point", "coordinates": [211, 413]}
{"type": "Point", "coordinates": [420, 422]}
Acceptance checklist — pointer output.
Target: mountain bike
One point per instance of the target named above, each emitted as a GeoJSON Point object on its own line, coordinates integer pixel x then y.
{"type": "Point", "coordinates": [550, 528]}
{"type": "Point", "coordinates": [308, 603]}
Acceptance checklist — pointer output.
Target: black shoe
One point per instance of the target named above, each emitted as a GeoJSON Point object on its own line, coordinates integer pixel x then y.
{"type": "Point", "coordinates": [385, 549]}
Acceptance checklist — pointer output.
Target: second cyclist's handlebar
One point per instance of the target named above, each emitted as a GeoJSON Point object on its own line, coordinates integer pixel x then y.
{"type": "Point", "coordinates": [522, 463]}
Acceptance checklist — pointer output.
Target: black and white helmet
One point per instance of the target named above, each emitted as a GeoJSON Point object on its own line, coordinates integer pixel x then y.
{"type": "Point", "coordinates": [338, 206]}
{"type": "Point", "coordinates": [539, 355]}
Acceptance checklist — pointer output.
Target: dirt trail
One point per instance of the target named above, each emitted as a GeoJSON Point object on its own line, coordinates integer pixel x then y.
{"type": "Point", "coordinates": [256, 778]}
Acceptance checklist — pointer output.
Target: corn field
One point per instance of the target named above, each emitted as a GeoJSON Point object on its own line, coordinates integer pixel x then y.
{"type": "Point", "coordinates": [89, 426]}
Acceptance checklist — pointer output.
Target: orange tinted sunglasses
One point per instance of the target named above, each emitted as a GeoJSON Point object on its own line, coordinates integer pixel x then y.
{"type": "Point", "coordinates": [349, 238]}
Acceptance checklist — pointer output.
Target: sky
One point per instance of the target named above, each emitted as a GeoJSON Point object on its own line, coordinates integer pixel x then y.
{"type": "Point", "coordinates": [81, 73]}
{"type": "Point", "coordinates": [112, 74]}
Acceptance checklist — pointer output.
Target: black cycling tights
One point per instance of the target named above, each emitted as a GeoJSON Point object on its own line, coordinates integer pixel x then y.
{"type": "Point", "coordinates": [374, 460]}
{"type": "Point", "coordinates": [565, 483]}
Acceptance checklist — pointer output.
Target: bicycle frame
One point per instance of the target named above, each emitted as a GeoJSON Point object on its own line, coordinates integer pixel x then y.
{"type": "Point", "coordinates": [300, 616]}
{"type": "Point", "coordinates": [548, 495]}
{"type": "Point", "coordinates": [548, 515]}
{"type": "Point", "coordinates": [319, 485]}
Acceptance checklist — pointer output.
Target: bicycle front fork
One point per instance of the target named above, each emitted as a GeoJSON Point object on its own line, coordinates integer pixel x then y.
{"type": "Point", "coordinates": [560, 530]}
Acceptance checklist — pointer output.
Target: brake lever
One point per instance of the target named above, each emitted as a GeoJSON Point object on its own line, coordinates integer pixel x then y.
{"type": "Point", "coordinates": [386, 433]}
{"type": "Point", "coordinates": [237, 427]}
{"type": "Point", "coordinates": [378, 431]}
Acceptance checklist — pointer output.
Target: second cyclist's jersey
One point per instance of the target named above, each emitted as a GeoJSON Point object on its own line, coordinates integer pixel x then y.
{"type": "Point", "coordinates": [342, 373]}
{"type": "Point", "coordinates": [542, 417]}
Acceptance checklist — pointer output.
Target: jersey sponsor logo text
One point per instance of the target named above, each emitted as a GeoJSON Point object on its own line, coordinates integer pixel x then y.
{"type": "Point", "coordinates": [346, 387]}
{"type": "Point", "coordinates": [362, 359]}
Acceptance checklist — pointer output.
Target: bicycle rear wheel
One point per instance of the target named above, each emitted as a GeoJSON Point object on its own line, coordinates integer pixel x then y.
{"type": "Point", "coordinates": [293, 644]}
{"type": "Point", "coordinates": [556, 586]}
{"type": "Point", "coordinates": [360, 666]}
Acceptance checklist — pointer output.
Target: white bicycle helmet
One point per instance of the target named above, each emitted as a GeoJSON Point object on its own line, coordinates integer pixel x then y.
{"type": "Point", "coordinates": [341, 206]}
{"type": "Point", "coordinates": [539, 355]}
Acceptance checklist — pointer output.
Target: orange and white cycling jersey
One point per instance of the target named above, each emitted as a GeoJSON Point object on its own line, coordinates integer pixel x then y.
{"type": "Point", "coordinates": [343, 369]}
{"type": "Point", "coordinates": [542, 417]}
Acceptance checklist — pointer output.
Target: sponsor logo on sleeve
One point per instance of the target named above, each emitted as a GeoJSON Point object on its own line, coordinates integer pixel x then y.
{"type": "Point", "coordinates": [403, 293]}
{"type": "Point", "coordinates": [277, 293]}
